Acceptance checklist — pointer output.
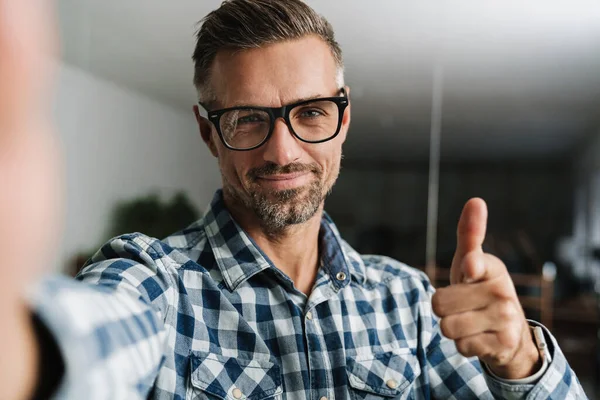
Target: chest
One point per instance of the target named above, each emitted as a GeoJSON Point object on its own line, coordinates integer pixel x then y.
{"type": "Point", "coordinates": [259, 343]}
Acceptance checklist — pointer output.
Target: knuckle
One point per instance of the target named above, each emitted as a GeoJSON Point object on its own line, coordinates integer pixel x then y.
{"type": "Point", "coordinates": [470, 261]}
{"type": "Point", "coordinates": [511, 338]}
{"type": "Point", "coordinates": [498, 289]}
{"type": "Point", "coordinates": [446, 328]}
{"type": "Point", "coordinates": [437, 302]}
{"type": "Point", "coordinates": [514, 338]}
{"type": "Point", "coordinates": [465, 347]}
{"type": "Point", "coordinates": [506, 311]}
{"type": "Point", "coordinates": [486, 355]}
{"type": "Point", "coordinates": [502, 358]}
{"type": "Point", "coordinates": [462, 347]}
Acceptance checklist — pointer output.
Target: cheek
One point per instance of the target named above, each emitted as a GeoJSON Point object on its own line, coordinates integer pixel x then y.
{"type": "Point", "coordinates": [232, 167]}
{"type": "Point", "coordinates": [328, 158]}
{"type": "Point", "coordinates": [333, 172]}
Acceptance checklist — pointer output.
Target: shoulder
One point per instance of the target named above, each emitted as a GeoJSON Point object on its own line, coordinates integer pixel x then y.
{"type": "Point", "coordinates": [135, 246]}
{"type": "Point", "coordinates": [173, 251]}
{"type": "Point", "coordinates": [382, 270]}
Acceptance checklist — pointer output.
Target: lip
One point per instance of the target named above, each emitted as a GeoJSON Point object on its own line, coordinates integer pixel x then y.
{"type": "Point", "coordinates": [285, 181]}
{"type": "Point", "coordinates": [283, 177]}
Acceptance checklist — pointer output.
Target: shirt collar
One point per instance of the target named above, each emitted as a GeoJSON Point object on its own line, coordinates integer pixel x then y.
{"type": "Point", "coordinates": [239, 257]}
{"type": "Point", "coordinates": [337, 253]}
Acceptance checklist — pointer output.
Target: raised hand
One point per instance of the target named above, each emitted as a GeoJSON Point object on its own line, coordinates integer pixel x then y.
{"type": "Point", "coordinates": [480, 310]}
{"type": "Point", "coordinates": [28, 179]}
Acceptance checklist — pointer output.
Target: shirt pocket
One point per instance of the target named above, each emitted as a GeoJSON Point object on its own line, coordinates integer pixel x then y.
{"type": "Point", "coordinates": [382, 375]}
{"type": "Point", "coordinates": [214, 376]}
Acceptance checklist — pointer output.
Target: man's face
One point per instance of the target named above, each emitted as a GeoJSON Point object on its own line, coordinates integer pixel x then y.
{"type": "Point", "coordinates": [285, 181]}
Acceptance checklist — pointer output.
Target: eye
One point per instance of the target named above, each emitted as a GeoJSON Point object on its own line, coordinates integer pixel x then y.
{"type": "Point", "coordinates": [311, 113]}
{"type": "Point", "coordinates": [250, 119]}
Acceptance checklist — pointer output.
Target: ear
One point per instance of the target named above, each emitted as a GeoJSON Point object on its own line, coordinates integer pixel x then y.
{"type": "Point", "coordinates": [347, 114]}
{"type": "Point", "coordinates": [206, 131]}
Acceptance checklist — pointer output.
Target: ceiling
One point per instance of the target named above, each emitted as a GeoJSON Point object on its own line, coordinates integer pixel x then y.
{"type": "Point", "coordinates": [521, 79]}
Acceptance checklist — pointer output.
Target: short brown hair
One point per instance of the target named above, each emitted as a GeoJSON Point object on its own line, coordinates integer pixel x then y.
{"type": "Point", "coordinates": [248, 24]}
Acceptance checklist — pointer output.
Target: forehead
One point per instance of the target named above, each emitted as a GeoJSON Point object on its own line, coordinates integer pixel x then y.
{"type": "Point", "coordinates": [274, 75]}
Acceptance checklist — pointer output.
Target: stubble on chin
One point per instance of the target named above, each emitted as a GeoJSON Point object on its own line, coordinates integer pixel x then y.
{"type": "Point", "coordinates": [277, 210]}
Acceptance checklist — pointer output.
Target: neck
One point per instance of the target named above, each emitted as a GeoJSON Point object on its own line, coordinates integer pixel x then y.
{"type": "Point", "coordinates": [294, 249]}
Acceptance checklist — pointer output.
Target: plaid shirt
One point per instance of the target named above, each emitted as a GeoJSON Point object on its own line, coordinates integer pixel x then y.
{"type": "Point", "coordinates": [204, 314]}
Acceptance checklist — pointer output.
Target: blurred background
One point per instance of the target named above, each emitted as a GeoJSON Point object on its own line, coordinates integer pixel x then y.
{"type": "Point", "coordinates": [451, 100]}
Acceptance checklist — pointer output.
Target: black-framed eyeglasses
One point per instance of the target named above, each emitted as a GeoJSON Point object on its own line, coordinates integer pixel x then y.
{"type": "Point", "coordinates": [311, 121]}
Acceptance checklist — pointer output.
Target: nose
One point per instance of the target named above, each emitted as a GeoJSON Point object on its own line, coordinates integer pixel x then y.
{"type": "Point", "coordinates": [283, 147]}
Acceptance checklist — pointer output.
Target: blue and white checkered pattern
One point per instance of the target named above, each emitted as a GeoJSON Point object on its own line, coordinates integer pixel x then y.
{"type": "Point", "coordinates": [204, 314]}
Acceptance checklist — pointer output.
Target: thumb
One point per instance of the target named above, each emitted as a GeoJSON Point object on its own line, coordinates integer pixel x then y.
{"type": "Point", "coordinates": [470, 235]}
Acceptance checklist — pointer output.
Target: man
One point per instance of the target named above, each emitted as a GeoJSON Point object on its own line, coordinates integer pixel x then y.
{"type": "Point", "coordinates": [261, 298]}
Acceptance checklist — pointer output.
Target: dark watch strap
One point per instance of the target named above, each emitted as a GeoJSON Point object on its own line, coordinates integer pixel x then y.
{"type": "Point", "coordinates": [51, 367]}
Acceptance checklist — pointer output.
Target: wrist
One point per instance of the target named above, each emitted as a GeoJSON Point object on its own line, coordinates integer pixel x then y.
{"type": "Point", "coordinates": [525, 363]}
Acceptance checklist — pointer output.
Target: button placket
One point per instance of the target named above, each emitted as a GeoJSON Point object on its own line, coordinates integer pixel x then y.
{"type": "Point", "coordinates": [324, 292]}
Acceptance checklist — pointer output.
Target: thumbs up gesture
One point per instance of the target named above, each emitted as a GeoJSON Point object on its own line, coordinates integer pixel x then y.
{"type": "Point", "coordinates": [480, 310]}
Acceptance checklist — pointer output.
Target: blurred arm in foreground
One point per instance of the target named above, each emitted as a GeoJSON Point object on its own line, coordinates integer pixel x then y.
{"type": "Point", "coordinates": [29, 214]}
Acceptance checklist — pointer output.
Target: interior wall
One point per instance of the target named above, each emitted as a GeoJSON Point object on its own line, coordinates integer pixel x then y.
{"type": "Point", "coordinates": [117, 145]}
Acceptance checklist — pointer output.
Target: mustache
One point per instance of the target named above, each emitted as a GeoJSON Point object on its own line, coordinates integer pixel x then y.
{"type": "Point", "coordinates": [275, 169]}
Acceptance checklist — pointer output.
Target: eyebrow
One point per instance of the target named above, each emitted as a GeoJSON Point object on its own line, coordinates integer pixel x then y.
{"type": "Point", "coordinates": [298, 100]}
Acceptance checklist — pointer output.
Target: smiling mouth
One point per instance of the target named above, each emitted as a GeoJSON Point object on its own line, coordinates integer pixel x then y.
{"type": "Point", "coordinates": [283, 177]}
{"type": "Point", "coordinates": [285, 181]}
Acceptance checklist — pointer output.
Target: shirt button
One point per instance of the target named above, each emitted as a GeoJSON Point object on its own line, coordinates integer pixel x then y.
{"type": "Point", "coordinates": [237, 393]}
{"type": "Point", "coordinates": [392, 384]}
{"type": "Point", "coordinates": [309, 315]}
{"type": "Point", "coordinates": [341, 276]}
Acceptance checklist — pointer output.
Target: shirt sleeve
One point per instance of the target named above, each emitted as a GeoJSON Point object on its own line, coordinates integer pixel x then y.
{"type": "Point", "coordinates": [109, 323]}
{"type": "Point", "coordinates": [452, 375]}
{"type": "Point", "coordinates": [529, 379]}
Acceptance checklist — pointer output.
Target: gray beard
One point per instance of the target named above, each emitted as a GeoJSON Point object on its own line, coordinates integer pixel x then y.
{"type": "Point", "coordinates": [278, 210]}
